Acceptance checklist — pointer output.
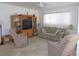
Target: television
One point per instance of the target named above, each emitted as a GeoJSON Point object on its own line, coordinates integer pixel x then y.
{"type": "Point", "coordinates": [27, 24]}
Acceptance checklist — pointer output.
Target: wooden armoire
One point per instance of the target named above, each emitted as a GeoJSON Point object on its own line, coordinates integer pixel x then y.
{"type": "Point", "coordinates": [24, 24]}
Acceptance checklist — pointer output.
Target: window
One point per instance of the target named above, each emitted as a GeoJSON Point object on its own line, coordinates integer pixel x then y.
{"type": "Point", "coordinates": [57, 19]}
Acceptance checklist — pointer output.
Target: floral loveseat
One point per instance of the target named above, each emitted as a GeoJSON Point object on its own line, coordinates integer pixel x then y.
{"type": "Point", "coordinates": [52, 33]}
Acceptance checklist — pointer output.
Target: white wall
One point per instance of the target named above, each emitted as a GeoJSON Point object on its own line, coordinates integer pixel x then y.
{"type": "Point", "coordinates": [7, 10]}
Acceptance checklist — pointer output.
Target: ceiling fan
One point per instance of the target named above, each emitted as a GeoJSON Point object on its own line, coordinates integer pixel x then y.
{"type": "Point", "coordinates": [41, 4]}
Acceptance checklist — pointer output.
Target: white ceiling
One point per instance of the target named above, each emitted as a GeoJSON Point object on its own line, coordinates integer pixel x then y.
{"type": "Point", "coordinates": [46, 5]}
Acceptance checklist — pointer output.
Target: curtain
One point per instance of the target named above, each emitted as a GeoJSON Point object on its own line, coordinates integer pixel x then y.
{"type": "Point", "coordinates": [57, 19]}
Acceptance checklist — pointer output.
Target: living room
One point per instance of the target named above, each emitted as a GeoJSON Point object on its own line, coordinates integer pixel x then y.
{"type": "Point", "coordinates": [51, 23]}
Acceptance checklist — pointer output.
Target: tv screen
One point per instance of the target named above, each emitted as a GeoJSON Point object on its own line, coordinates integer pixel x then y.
{"type": "Point", "coordinates": [27, 24]}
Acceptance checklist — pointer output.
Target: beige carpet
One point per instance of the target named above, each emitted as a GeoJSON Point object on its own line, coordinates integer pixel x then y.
{"type": "Point", "coordinates": [37, 47]}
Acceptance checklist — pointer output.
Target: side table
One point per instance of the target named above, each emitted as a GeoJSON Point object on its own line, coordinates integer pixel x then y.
{"type": "Point", "coordinates": [4, 37]}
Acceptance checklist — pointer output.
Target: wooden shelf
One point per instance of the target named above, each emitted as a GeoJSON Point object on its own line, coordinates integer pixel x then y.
{"type": "Point", "coordinates": [18, 25]}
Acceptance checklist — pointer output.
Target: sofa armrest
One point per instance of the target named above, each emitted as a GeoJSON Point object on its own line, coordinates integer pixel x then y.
{"type": "Point", "coordinates": [53, 49]}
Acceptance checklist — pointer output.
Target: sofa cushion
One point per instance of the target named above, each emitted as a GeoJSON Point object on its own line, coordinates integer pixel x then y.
{"type": "Point", "coordinates": [50, 29]}
{"type": "Point", "coordinates": [60, 32]}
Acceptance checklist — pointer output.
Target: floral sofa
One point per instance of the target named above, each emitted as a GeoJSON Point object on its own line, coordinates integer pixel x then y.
{"type": "Point", "coordinates": [52, 33]}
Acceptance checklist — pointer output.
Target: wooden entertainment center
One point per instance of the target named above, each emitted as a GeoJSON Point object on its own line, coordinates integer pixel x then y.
{"type": "Point", "coordinates": [24, 24]}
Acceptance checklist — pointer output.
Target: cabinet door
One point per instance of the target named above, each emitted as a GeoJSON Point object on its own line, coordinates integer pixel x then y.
{"type": "Point", "coordinates": [29, 33]}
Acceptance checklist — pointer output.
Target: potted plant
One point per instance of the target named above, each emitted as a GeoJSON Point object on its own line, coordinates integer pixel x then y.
{"type": "Point", "coordinates": [71, 28]}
